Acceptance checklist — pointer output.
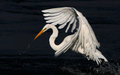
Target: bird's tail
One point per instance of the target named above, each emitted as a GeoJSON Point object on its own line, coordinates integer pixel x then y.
{"type": "Point", "coordinates": [99, 56]}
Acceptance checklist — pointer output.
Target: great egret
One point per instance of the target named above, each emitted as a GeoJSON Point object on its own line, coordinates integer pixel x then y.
{"type": "Point", "coordinates": [83, 39]}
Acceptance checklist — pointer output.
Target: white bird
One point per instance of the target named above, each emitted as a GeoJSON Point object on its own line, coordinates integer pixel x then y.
{"type": "Point", "coordinates": [83, 39]}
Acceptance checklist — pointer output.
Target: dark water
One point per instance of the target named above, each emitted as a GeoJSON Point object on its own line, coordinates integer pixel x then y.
{"type": "Point", "coordinates": [45, 65]}
{"type": "Point", "coordinates": [21, 20]}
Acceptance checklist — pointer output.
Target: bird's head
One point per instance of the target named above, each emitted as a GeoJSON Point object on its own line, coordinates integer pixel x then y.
{"type": "Point", "coordinates": [45, 28]}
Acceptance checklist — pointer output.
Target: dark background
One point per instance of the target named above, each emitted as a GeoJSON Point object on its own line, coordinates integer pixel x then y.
{"type": "Point", "coordinates": [21, 20]}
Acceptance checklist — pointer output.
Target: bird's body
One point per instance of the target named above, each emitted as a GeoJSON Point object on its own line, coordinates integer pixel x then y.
{"type": "Point", "coordinates": [83, 40]}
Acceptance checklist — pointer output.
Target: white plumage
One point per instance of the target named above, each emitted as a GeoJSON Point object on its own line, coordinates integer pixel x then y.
{"type": "Point", "coordinates": [61, 16]}
{"type": "Point", "coordinates": [82, 41]}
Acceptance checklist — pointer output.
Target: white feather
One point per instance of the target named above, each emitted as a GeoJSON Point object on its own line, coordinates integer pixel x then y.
{"type": "Point", "coordinates": [72, 20]}
{"type": "Point", "coordinates": [66, 21]}
{"type": "Point", "coordinates": [60, 16]}
{"type": "Point", "coordinates": [74, 26]}
{"type": "Point", "coordinates": [54, 10]}
{"type": "Point", "coordinates": [83, 40]}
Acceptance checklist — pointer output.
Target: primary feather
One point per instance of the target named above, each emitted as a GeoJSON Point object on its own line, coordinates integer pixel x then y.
{"type": "Point", "coordinates": [61, 16]}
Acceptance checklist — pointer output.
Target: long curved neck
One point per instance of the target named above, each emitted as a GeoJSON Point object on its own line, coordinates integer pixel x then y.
{"type": "Point", "coordinates": [53, 38]}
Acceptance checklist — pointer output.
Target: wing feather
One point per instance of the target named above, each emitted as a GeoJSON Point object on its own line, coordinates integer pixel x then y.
{"type": "Point", "coordinates": [62, 20]}
{"type": "Point", "coordinates": [55, 18]}
{"type": "Point", "coordinates": [74, 25]}
{"type": "Point", "coordinates": [72, 20]}
{"type": "Point", "coordinates": [86, 42]}
{"type": "Point", "coordinates": [83, 40]}
{"type": "Point", "coordinates": [65, 23]}
{"type": "Point", "coordinates": [52, 14]}
{"type": "Point", "coordinates": [54, 10]}
{"type": "Point", "coordinates": [91, 32]}
{"type": "Point", "coordinates": [61, 16]}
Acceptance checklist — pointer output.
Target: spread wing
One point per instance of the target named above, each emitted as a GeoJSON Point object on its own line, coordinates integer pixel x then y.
{"type": "Point", "coordinates": [82, 41]}
{"type": "Point", "coordinates": [65, 16]}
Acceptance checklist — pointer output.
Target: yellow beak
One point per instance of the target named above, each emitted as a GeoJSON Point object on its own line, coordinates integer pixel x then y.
{"type": "Point", "coordinates": [39, 33]}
